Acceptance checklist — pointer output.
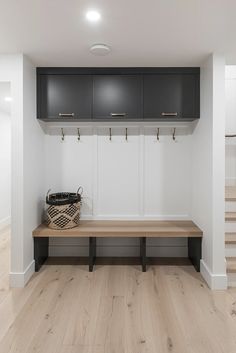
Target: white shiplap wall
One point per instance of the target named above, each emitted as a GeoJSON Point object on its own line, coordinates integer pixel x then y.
{"type": "Point", "coordinates": [136, 179]}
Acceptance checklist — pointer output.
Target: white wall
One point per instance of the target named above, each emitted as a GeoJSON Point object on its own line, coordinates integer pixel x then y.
{"type": "Point", "coordinates": [11, 70]}
{"type": "Point", "coordinates": [33, 165]}
{"type": "Point", "coordinates": [137, 179]}
{"type": "Point", "coordinates": [27, 146]}
{"type": "Point", "coordinates": [5, 175]}
{"type": "Point", "coordinates": [208, 171]}
{"type": "Point", "coordinates": [230, 152]}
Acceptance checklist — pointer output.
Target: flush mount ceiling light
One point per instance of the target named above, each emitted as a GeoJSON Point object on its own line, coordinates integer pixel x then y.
{"type": "Point", "coordinates": [93, 16]}
{"type": "Point", "coordinates": [8, 99]}
{"type": "Point", "coordinates": [100, 49]}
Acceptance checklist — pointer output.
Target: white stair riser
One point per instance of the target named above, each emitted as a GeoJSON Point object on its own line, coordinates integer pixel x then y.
{"type": "Point", "coordinates": [231, 279]}
{"type": "Point", "coordinates": [230, 206]}
{"type": "Point", "coordinates": [230, 227]}
{"type": "Point", "coordinates": [230, 250]}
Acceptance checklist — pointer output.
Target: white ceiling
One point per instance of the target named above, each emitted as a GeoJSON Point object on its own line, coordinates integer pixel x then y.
{"type": "Point", "coordinates": [140, 32]}
{"type": "Point", "coordinates": [5, 107]}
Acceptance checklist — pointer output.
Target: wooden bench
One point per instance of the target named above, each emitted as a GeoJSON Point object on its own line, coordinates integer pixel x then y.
{"type": "Point", "coordinates": [141, 229]}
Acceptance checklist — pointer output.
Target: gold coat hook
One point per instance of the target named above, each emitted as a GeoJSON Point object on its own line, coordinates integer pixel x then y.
{"type": "Point", "coordinates": [110, 133]}
{"type": "Point", "coordinates": [158, 132]}
{"type": "Point", "coordinates": [78, 134]}
{"type": "Point", "coordinates": [62, 134]}
{"type": "Point", "coordinates": [173, 135]}
{"type": "Point", "coordinates": [126, 134]}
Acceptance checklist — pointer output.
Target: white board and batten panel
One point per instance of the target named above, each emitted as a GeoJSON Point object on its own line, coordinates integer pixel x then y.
{"type": "Point", "coordinates": [137, 178]}
{"type": "Point", "coordinates": [69, 165]}
{"type": "Point", "coordinates": [118, 174]}
{"type": "Point", "coordinates": [167, 176]}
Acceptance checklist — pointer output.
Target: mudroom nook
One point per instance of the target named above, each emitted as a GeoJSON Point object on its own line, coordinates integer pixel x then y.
{"type": "Point", "coordinates": [118, 176]}
{"type": "Point", "coordinates": [125, 135]}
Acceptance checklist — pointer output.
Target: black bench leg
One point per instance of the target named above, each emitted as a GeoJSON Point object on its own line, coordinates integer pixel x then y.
{"type": "Point", "coordinates": [195, 251]}
{"type": "Point", "coordinates": [92, 253]}
{"type": "Point", "coordinates": [143, 253]}
{"type": "Point", "coordinates": [40, 251]}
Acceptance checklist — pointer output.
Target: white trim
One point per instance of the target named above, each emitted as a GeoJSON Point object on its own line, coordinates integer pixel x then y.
{"type": "Point", "coordinates": [141, 171]}
{"type": "Point", "coordinates": [20, 279]}
{"type": "Point", "coordinates": [95, 174]}
{"type": "Point", "coordinates": [5, 222]}
{"type": "Point", "coordinates": [121, 217]}
{"type": "Point", "coordinates": [214, 281]}
{"type": "Point", "coordinates": [186, 127]}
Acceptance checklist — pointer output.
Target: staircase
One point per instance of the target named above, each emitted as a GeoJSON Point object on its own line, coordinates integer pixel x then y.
{"type": "Point", "coordinates": [230, 234]}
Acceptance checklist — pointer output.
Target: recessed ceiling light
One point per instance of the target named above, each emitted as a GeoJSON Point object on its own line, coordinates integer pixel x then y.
{"type": "Point", "coordinates": [100, 49]}
{"type": "Point", "coordinates": [8, 99]}
{"type": "Point", "coordinates": [93, 16]}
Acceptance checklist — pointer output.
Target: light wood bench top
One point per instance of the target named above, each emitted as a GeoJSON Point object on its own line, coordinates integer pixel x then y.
{"type": "Point", "coordinates": [89, 228]}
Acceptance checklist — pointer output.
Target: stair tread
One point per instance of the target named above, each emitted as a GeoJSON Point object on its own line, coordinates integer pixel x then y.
{"type": "Point", "coordinates": [230, 193]}
{"type": "Point", "coordinates": [230, 216]}
{"type": "Point", "coordinates": [230, 238]}
{"type": "Point", "coordinates": [231, 264]}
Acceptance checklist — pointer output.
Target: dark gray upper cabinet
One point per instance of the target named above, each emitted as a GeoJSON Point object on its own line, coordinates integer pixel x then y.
{"type": "Point", "coordinates": [65, 97]}
{"type": "Point", "coordinates": [117, 97]}
{"type": "Point", "coordinates": [171, 97]}
{"type": "Point", "coordinates": [118, 94]}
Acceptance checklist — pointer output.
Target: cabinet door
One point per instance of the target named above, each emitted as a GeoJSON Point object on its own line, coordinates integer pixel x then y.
{"type": "Point", "coordinates": [117, 97]}
{"type": "Point", "coordinates": [66, 97]}
{"type": "Point", "coordinates": [171, 96]}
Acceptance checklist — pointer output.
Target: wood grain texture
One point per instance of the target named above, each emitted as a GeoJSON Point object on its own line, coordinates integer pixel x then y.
{"type": "Point", "coordinates": [230, 238]}
{"type": "Point", "coordinates": [230, 193]}
{"type": "Point", "coordinates": [116, 309]}
{"type": "Point", "coordinates": [231, 264]}
{"type": "Point", "coordinates": [230, 216]}
{"type": "Point", "coordinates": [124, 229]}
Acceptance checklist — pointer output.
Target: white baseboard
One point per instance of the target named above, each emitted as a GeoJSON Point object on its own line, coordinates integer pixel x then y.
{"type": "Point", "coordinates": [214, 281]}
{"type": "Point", "coordinates": [5, 222]}
{"type": "Point", "coordinates": [20, 279]}
{"type": "Point", "coordinates": [149, 217]}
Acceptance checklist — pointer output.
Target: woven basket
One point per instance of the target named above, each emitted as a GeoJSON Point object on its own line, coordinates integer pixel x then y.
{"type": "Point", "coordinates": [64, 210]}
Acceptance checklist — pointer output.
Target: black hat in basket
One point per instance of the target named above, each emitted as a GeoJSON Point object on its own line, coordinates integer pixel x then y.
{"type": "Point", "coordinates": [64, 198]}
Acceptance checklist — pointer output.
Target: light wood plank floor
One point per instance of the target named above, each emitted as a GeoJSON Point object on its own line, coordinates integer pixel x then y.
{"type": "Point", "coordinates": [115, 309]}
